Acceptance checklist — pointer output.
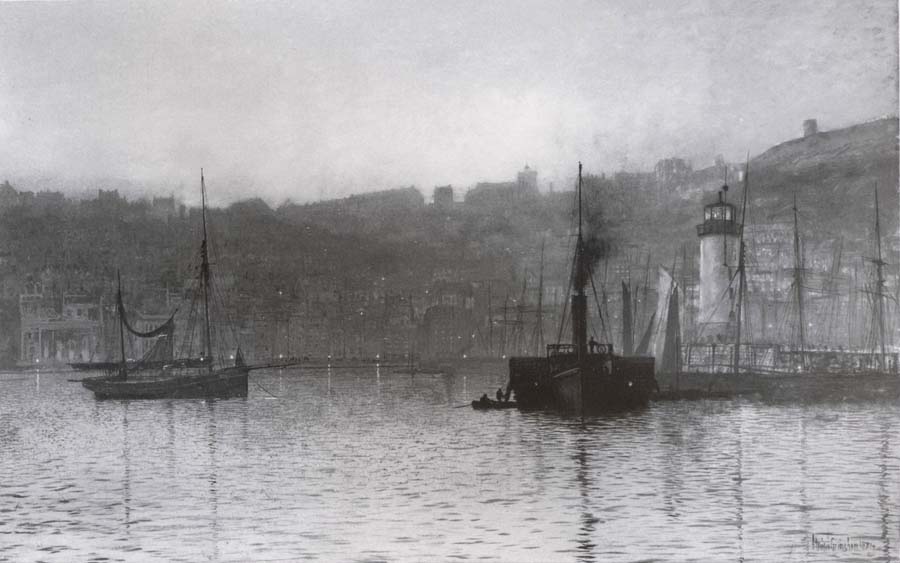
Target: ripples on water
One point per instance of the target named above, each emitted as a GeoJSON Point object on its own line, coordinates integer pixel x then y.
{"type": "Point", "coordinates": [369, 465]}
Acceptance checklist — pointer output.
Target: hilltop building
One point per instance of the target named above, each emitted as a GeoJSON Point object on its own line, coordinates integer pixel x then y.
{"type": "Point", "coordinates": [672, 171]}
{"type": "Point", "coordinates": [526, 181]}
{"type": "Point", "coordinates": [499, 194]}
{"type": "Point", "coordinates": [164, 208]}
{"type": "Point", "coordinates": [9, 197]}
{"type": "Point", "coordinates": [810, 128]}
{"type": "Point", "coordinates": [443, 198]}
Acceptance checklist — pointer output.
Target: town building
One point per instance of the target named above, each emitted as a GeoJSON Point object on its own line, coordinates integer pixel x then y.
{"type": "Point", "coordinates": [443, 198]}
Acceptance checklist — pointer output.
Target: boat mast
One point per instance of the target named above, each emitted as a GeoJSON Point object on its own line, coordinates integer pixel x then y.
{"type": "Point", "coordinates": [490, 320]}
{"type": "Point", "coordinates": [539, 324]}
{"type": "Point", "coordinates": [124, 368]}
{"type": "Point", "coordinates": [627, 321]}
{"type": "Point", "coordinates": [879, 288]}
{"type": "Point", "coordinates": [741, 272]}
{"type": "Point", "coordinates": [520, 344]}
{"type": "Point", "coordinates": [579, 300]}
{"type": "Point", "coordinates": [645, 297]}
{"type": "Point", "coordinates": [724, 193]}
{"type": "Point", "coordinates": [204, 275]}
{"type": "Point", "coordinates": [798, 283]}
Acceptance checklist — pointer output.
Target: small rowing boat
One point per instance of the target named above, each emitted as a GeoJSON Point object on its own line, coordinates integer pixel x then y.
{"type": "Point", "coordinates": [490, 404]}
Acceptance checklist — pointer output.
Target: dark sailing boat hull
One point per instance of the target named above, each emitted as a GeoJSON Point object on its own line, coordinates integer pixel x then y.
{"type": "Point", "coordinates": [95, 366]}
{"type": "Point", "coordinates": [219, 384]}
{"type": "Point", "coordinates": [139, 365]}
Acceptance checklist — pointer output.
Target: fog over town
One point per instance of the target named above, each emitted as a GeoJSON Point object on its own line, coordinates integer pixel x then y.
{"type": "Point", "coordinates": [305, 101]}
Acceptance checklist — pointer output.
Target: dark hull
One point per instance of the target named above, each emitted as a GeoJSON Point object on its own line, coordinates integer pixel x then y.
{"type": "Point", "coordinates": [774, 386]}
{"type": "Point", "coordinates": [611, 383]}
{"type": "Point", "coordinates": [114, 366]}
{"type": "Point", "coordinates": [94, 366]}
{"type": "Point", "coordinates": [218, 384]}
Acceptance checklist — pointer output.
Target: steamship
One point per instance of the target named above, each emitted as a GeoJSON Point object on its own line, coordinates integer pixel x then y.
{"type": "Point", "coordinates": [573, 378]}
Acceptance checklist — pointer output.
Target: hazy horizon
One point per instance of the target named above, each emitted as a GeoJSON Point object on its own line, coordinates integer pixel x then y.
{"type": "Point", "coordinates": [322, 100]}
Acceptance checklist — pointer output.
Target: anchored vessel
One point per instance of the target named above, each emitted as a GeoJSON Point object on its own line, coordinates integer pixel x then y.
{"type": "Point", "coordinates": [207, 378]}
{"type": "Point", "coordinates": [573, 378]}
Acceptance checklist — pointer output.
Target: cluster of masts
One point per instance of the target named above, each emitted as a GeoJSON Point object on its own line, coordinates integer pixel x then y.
{"type": "Point", "coordinates": [798, 284]}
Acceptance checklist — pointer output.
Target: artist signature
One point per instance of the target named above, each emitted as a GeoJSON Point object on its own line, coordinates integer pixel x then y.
{"type": "Point", "coordinates": [838, 542]}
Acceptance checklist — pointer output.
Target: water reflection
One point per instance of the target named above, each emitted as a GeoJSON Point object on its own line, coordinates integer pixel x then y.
{"type": "Point", "coordinates": [170, 430]}
{"type": "Point", "coordinates": [213, 478]}
{"type": "Point", "coordinates": [673, 444]}
{"type": "Point", "coordinates": [884, 501]}
{"type": "Point", "coordinates": [448, 379]}
{"type": "Point", "coordinates": [329, 472]}
{"type": "Point", "coordinates": [804, 503]}
{"type": "Point", "coordinates": [586, 529]}
{"type": "Point", "coordinates": [739, 485]}
{"type": "Point", "coordinates": [126, 460]}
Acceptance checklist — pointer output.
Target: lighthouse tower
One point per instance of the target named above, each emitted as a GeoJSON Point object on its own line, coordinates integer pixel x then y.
{"type": "Point", "coordinates": [719, 234]}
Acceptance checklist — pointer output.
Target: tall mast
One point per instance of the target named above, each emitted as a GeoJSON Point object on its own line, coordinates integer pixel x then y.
{"type": "Point", "coordinates": [520, 344]}
{"type": "Point", "coordinates": [685, 293]}
{"type": "Point", "coordinates": [204, 275]}
{"type": "Point", "coordinates": [879, 288]}
{"type": "Point", "coordinates": [539, 324]}
{"type": "Point", "coordinates": [798, 283]}
{"type": "Point", "coordinates": [490, 320]}
{"type": "Point", "coordinates": [724, 193]}
{"type": "Point", "coordinates": [645, 297]}
{"type": "Point", "coordinates": [579, 300]}
{"type": "Point", "coordinates": [741, 273]}
{"type": "Point", "coordinates": [505, 325]}
{"type": "Point", "coordinates": [832, 289]}
{"type": "Point", "coordinates": [119, 307]}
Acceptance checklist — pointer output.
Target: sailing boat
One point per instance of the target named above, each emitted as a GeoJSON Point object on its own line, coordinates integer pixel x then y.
{"type": "Point", "coordinates": [572, 377]}
{"type": "Point", "coordinates": [178, 380]}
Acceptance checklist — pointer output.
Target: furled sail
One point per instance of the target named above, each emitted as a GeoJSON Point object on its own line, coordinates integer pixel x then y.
{"type": "Point", "coordinates": [164, 329]}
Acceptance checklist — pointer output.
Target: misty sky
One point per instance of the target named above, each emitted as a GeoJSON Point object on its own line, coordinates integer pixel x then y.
{"type": "Point", "coordinates": [322, 99]}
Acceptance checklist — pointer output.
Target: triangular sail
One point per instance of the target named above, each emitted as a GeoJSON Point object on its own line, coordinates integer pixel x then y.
{"type": "Point", "coordinates": [162, 350]}
{"type": "Point", "coordinates": [664, 286]}
{"type": "Point", "coordinates": [671, 357]}
{"type": "Point", "coordinates": [643, 348]}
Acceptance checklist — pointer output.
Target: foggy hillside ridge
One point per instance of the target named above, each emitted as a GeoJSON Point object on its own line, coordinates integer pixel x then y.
{"type": "Point", "coordinates": [278, 259]}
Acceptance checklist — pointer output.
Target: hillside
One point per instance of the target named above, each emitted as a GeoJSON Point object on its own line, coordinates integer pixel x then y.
{"type": "Point", "coordinates": [833, 174]}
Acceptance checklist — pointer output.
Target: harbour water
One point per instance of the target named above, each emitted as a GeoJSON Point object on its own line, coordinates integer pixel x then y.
{"type": "Point", "coordinates": [372, 465]}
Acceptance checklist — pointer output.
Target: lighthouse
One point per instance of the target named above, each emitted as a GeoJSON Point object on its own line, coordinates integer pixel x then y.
{"type": "Point", "coordinates": [719, 239]}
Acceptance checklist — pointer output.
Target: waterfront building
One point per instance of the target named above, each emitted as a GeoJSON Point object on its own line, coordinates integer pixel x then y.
{"type": "Point", "coordinates": [48, 336]}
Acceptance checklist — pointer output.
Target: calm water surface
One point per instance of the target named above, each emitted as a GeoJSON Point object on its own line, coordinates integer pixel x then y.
{"type": "Point", "coordinates": [370, 465]}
